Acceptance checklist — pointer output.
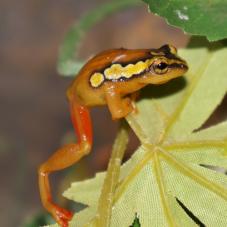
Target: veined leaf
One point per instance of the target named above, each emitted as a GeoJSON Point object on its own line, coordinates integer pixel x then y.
{"type": "Point", "coordinates": [166, 175]}
{"type": "Point", "coordinates": [68, 63]}
{"type": "Point", "coordinates": [207, 18]}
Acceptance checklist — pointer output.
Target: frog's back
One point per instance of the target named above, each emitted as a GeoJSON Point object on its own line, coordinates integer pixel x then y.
{"type": "Point", "coordinates": [87, 83]}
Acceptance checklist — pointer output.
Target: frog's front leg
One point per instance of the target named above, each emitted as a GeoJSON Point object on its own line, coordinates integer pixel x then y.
{"type": "Point", "coordinates": [119, 105]}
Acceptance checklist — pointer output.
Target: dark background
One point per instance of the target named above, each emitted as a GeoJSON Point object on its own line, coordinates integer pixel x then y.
{"type": "Point", "coordinates": [34, 116]}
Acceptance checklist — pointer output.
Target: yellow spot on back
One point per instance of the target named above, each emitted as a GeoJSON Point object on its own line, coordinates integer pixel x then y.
{"type": "Point", "coordinates": [96, 79]}
{"type": "Point", "coordinates": [116, 71]}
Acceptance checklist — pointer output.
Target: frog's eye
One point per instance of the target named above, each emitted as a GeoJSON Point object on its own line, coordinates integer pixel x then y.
{"type": "Point", "coordinates": [160, 67]}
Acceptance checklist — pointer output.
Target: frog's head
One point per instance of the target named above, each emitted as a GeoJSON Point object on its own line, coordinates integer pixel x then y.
{"type": "Point", "coordinates": [164, 65]}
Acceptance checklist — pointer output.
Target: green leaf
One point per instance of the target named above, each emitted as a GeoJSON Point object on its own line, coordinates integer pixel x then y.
{"type": "Point", "coordinates": [38, 220]}
{"type": "Point", "coordinates": [206, 18]}
{"type": "Point", "coordinates": [68, 62]}
{"type": "Point", "coordinates": [166, 175]}
{"type": "Point", "coordinates": [136, 222]}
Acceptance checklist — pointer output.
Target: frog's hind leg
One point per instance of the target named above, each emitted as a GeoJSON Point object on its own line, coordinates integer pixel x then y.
{"type": "Point", "coordinates": [65, 157]}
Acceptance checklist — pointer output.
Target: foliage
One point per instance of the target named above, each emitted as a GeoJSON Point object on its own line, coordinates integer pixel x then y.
{"type": "Point", "coordinates": [206, 18]}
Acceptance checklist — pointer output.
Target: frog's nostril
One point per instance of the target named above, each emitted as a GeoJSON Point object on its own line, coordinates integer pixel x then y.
{"type": "Point", "coordinates": [184, 66]}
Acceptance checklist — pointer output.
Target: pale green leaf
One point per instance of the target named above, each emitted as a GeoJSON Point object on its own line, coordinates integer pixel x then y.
{"type": "Point", "coordinates": [211, 133]}
{"type": "Point", "coordinates": [168, 167]}
{"type": "Point", "coordinates": [86, 197]}
{"type": "Point", "coordinates": [213, 89]}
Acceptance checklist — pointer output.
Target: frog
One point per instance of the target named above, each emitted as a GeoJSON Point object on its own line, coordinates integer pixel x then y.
{"type": "Point", "coordinates": [113, 78]}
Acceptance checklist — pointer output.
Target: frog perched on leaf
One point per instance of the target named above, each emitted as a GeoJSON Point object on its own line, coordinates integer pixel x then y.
{"type": "Point", "coordinates": [111, 78]}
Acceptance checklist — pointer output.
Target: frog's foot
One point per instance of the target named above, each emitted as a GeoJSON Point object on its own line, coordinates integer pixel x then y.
{"type": "Point", "coordinates": [61, 215]}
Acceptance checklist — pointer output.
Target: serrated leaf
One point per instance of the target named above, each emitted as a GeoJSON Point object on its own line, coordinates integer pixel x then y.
{"type": "Point", "coordinates": [206, 18]}
{"type": "Point", "coordinates": [167, 171]}
{"type": "Point", "coordinates": [68, 62]}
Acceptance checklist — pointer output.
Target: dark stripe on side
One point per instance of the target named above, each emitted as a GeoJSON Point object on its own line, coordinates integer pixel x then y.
{"type": "Point", "coordinates": [176, 65]}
